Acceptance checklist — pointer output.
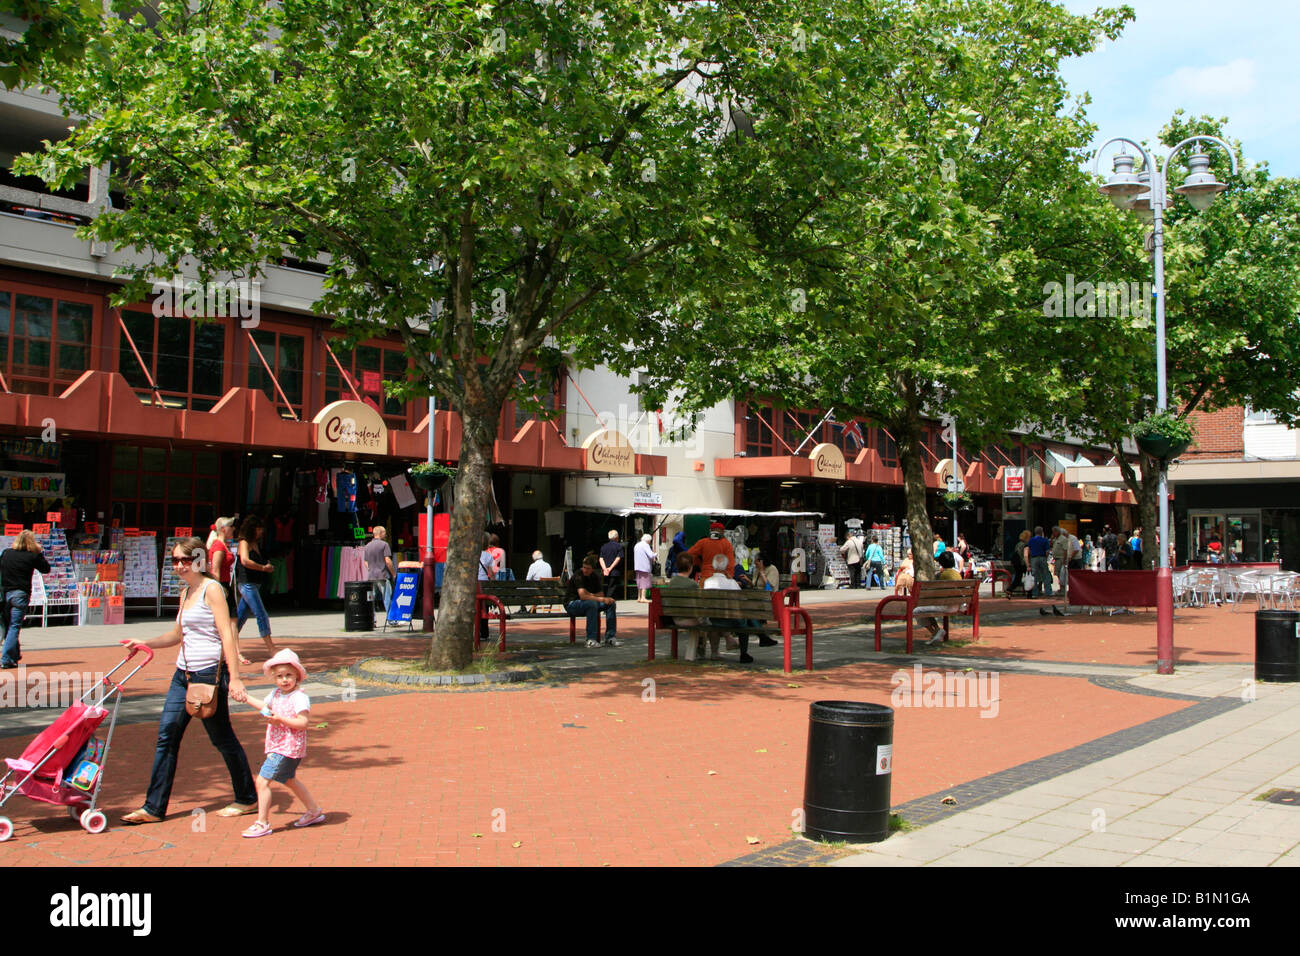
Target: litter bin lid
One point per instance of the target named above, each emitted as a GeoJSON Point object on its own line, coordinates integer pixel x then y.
{"type": "Point", "coordinates": [1275, 614]}
{"type": "Point", "coordinates": [851, 712]}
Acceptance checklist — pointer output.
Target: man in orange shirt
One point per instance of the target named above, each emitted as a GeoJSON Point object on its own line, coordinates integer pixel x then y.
{"type": "Point", "coordinates": [704, 550]}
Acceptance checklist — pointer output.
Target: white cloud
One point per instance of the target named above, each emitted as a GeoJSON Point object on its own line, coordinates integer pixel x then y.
{"type": "Point", "coordinates": [1212, 82]}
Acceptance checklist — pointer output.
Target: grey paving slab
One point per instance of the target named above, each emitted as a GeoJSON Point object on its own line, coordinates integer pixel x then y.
{"type": "Point", "coordinates": [1076, 855]}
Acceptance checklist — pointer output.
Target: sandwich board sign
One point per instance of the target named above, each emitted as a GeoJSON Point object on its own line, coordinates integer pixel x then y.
{"type": "Point", "coordinates": [403, 602]}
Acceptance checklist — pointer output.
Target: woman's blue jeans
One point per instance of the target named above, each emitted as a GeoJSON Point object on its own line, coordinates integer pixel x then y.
{"type": "Point", "coordinates": [250, 605]}
{"type": "Point", "coordinates": [15, 604]}
{"type": "Point", "coordinates": [172, 728]}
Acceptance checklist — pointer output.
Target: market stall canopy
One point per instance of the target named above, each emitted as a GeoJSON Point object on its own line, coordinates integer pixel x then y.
{"type": "Point", "coordinates": [623, 512]}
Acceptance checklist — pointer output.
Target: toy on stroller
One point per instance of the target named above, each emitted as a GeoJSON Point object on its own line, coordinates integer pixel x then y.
{"type": "Point", "coordinates": [64, 764]}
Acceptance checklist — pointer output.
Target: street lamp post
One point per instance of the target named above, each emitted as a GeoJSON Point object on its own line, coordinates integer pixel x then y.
{"type": "Point", "coordinates": [1145, 194]}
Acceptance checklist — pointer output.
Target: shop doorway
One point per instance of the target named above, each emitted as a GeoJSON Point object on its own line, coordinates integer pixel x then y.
{"type": "Point", "coordinates": [1235, 536]}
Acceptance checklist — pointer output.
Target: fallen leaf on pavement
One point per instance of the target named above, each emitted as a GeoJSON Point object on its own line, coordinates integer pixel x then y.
{"type": "Point", "coordinates": [761, 750]}
{"type": "Point", "coordinates": [750, 839]}
{"type": "Point", "coordinates": [713, 773]}
{"type": "Point", "coordinates": [517, 844]}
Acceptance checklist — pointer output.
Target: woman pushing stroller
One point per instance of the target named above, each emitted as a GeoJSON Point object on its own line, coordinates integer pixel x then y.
{"type": "Point", "coordinates": [208, 656]}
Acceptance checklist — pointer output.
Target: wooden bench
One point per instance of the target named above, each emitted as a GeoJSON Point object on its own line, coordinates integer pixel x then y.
{"type": "Point", "coordinates": [934, 599]}
{"type": "Point", "coordinates": [547, 592]}
{"type": "Point", "coordinates": [774, 610]}
{"type": "Point", "coordinates": [493, 596]}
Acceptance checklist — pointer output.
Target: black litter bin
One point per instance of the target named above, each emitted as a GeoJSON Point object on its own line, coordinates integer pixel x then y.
{"type": "Point", "coordinates": [850, 763]}
{"type": "Point", "coordinates": [358, 606]}
{"type": "Point", "coordinates": [1277, 651]}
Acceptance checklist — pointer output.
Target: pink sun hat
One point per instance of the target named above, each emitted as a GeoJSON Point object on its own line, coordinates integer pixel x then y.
{"type": "Point", "coordinates": [285, 656]}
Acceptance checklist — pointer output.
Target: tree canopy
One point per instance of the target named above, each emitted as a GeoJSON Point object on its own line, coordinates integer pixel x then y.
{"type": "Point", "coordinates": [944, 202]}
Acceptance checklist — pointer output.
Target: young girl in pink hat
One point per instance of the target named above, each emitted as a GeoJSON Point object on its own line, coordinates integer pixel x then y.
{"type": "Point", "coordinates": [286, 709]}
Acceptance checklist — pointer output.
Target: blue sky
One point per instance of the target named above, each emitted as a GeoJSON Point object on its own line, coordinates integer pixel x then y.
{"type": "Point", "coordinates": [1240, 60]}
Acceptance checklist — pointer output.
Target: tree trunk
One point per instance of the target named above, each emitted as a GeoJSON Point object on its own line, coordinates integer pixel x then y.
{"type": "Point", "coordinates": [452, 647]}
{"type": "Point", "coordinates": [907, 434]}
{"type": "Point", "coordinates": [1145, 487]}
{"type": "Point", "coordinates": [1149, 513]}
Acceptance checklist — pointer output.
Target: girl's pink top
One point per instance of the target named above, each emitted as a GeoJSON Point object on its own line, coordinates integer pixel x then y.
{"type": "Point", "coordinates": [285, 740]}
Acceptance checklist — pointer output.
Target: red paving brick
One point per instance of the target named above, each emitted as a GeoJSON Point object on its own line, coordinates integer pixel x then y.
{"type": "Point", "coordinates": [412, 778]}
{"type": "Point", "coordinates": [1209, 635]}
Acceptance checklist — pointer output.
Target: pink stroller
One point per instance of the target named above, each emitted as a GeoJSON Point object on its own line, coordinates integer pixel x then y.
{"type": "Point", "coordinates": [64, 764]}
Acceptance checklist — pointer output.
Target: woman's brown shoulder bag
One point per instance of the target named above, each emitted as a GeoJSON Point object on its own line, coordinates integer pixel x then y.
{"type": "Point", "coordinates": [200, 699]}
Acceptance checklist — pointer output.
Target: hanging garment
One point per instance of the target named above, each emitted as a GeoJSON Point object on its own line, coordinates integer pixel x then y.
{"type": "Point", "coordinates": [346, 487]}
{"type": "Point", "coordinates": [401, 491]}
{"type": "Point", "coordinates": [322, 486]}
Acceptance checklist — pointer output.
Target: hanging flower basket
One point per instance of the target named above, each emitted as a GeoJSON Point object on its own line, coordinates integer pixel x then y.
{"type": "Point", "coordinates": [430, 477]}
{"type": "Point", "coordinates": [1164, 436]}
{"type": "Point", "coordinates": [958, 501]}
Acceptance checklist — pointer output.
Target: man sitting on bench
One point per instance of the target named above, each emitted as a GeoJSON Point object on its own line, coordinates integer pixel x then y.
{"type": "Point", "coordinates": [719, 581]}
{"type": "Point", "coordinates": [948, 572]}
{"type": "Point", "coordinates": [586, 599]}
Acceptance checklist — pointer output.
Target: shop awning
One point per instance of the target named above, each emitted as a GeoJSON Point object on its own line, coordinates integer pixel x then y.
{"type": "Point", "coordinates": [623, 512]}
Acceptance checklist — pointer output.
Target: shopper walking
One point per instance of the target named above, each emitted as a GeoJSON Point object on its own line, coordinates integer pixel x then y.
{"type": "Point", "coordinates": [16, 566]}
{"type": "Point", "coordinates": [875, 562]}
{"type": "Point", "coordinates": [643, 556]}
{"type": "Point", "coordinates": [207, 656]}
{"type": "Point", "coordinates": [221, 562]}
{"type": "Point", "coordinates": [1038, 547]}
{"type": "Point", "coordinates": [252, 572]}
{"type": "Point", "coordinates": [852, 550]}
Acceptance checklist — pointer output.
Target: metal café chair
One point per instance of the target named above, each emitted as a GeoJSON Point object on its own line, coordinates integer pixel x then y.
{"type": "Point", "coordinates": [1245, 583]}
{"type": "Point", "coordinates": [1207, 588]}
{"type": "Point", "coordinates": [1283, 587]}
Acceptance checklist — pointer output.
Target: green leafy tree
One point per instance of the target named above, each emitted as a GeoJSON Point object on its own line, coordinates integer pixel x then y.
{"type": "Point", "coordinates": [494, 183]}
{"type": "Point", "coordinates": [1232, 320]}
{"type": "Point", "coordinates": [940, 207]}
{"type": "Point", "coordinates": [53, 32]}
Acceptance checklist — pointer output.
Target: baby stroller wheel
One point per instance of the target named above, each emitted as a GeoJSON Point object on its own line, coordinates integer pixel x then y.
{"type": "Point", "coordinates": [6, 829]}
{"type": "Point", "coordinates": [75, 813]}
{"type": "Point", "coordinates": [94, 821]}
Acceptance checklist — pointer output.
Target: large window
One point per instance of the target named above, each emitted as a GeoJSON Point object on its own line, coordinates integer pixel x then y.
{"type": "Point", "coordinates": [184, 356]}
{"type": "Point", "coordinates": [284, 353]}
{"type": "Point", "coordinates": [545, 390]}
{"type": "Point", "coordinates": [158, 489]}
{"type": "Point", "coordinates": [887, 448]}
{"type": "Point", "coordinates": [759, 440]}
{"type": "Point", "coordinates": [45, 340]}
{"type": "Point", "coordinates": [388, 362]}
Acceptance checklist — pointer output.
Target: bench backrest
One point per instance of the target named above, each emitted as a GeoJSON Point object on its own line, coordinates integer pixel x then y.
{"type": "Point", "coordinates": [698, 602]}
{"type": "Point", "coordinates": [954, 595]}
{"type": "Point", "coordinates": [523, 589]}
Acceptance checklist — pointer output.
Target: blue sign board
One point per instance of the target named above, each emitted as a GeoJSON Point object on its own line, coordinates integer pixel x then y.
{"type": "Point", "coordinates": [403, 602]}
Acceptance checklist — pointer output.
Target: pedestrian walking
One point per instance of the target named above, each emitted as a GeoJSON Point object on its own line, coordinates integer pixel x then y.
{"type": "Point", "coordinates": [643, 556]}
{"type": "Point", "coordinates": [17, 564]}
{"type": "Point", "coordinates": [251, 573]}
{"type": "Point", "coordinates": [207, 657]}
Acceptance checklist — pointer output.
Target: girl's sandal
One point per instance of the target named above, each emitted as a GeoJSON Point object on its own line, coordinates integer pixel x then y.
{"type": "Point", "coordinates": [244, 661]}
{"type": "Point", "coordinates": [258, 829]}
{"type": "Point", "coordinates": [309, 818]}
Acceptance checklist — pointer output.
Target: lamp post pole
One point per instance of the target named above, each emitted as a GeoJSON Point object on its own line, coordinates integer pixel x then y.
{"type": "Point", "coordinates": [427, 563]}
{"type": "Point", "coordinates": [1127, 191]}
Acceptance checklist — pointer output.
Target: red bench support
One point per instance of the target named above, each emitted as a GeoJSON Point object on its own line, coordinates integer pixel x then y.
{"type": "Point", "coordinates": [916, 601]}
